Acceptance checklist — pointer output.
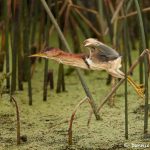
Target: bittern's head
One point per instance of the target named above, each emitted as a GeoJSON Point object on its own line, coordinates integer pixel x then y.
{"type": "Point", "coordinates": [48, 53]}
{"type": "Point", "coordinates": [91, 43]}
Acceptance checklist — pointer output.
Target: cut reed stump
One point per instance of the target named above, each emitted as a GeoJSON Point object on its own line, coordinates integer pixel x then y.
{"type": "Point", "coordinates": [18, 119]}
{"type": "Point", "coordinates": [72, 118]}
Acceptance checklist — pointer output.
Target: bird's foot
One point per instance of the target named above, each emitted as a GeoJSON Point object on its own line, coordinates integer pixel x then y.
{"type": "Point", "coordinates": [140, 90]}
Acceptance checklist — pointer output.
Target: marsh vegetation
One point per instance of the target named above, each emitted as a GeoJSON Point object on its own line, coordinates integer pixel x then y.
{"type": "Point", "coordinates": [38, 96]}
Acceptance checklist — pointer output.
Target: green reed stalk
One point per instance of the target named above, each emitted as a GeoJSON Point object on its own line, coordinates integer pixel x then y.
{"type": "Point", "coordinates": [61, 79]}
{"type": "Point", "coordinates": [145, 65]}
{"type": "Point", "coordinates": [45, 84]}
{"type": "Point", "coordinates": [7, 43]}
{"type": "Point", "coordinates": [126, 63]}
{"type": "Point", "coordinates": [26, 35]}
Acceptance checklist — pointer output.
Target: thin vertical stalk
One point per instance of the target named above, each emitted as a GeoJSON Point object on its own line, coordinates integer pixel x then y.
{"type": "Point", "coordinates": [61, 80]}
{"type": "Point", "coordinates": [33, 32]}
{"type": "Point", "coordinates": [15, 43]}
{"type": "Point", "coordinates": [125, 60]}
{"type": "Point", "coordinates": [45, 83]}
{"type": "Point", "coordinates": [100, 8]}
{"type": "Point", "coordinates": [2, 47]}
{"type": "Point", "coordinates": [129, 48]}
{"type": "Point", "coordinates": [34, 13]}
{"type": "Point", "coordinates": [26, 34]}
{"type": "Point", "coordinates": [145, 66]}
{"type": "Point", "coordinates": [20, 56]}
{"type": "Point", "coordinates": [60, 67]}
{"type": "Point", "coordinates": [146, 25]}
{"type": "Point", "coordinates": [94, 107]}
{"type": "Point", "coordinates": [46, 61]}
{"type": "Point", "coordinates": [128, 6]}
{"type": "Point", "coordinates": [7, 42]}
{"type": "Point", "coordinates": [141, 67]}
{"type": "Point", "coordinates": [45, 80]}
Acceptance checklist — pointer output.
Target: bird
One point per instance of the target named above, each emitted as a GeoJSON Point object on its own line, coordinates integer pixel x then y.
{"type": "Point", "coordinates": [100, 57]}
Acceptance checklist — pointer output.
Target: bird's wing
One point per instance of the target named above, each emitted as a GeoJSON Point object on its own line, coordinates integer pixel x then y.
{"type": "Point", "coordinates": [100, 50]}
{"type": "Point", "coordinates": [106, 51]}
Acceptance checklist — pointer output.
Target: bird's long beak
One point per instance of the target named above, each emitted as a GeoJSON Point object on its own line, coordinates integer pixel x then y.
{"type": "Point", "coordinates": [39, 55]}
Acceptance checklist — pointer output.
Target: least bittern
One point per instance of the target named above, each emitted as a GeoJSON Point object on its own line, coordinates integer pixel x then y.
{"type": "Point", "coordinates": [101, 57]}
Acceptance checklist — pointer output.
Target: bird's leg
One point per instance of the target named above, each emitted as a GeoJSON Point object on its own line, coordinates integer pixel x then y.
{"type": "Point", "coordinates": [139, 88]}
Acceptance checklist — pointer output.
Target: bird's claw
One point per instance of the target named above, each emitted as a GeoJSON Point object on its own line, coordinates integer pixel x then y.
{"type": "Point", "coordinates": [140, 90]}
